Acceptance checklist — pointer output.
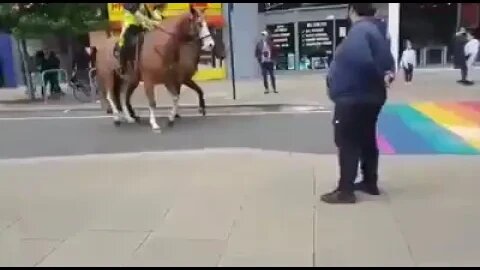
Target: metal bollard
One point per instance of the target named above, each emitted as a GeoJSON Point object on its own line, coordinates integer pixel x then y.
{"type": "Point", "coordinates": [49, 71]}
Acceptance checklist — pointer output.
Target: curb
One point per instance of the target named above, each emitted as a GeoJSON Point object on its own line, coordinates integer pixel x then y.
{"type": "Point", "coordinates": [96, 107]}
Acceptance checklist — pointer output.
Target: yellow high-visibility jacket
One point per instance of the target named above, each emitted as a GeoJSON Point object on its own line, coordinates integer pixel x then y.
{"type": "Point", "coordinates": [140, 17]}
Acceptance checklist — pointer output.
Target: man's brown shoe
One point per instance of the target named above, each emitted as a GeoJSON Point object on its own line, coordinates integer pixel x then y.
{"type": "Point", "coordinates": [339, 197]}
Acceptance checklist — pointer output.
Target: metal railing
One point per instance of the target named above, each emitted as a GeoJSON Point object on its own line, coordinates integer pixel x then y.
{"type": "Point", "coordinates": [92, 74]}
{"type": "Point", "coordinates": [64, 78]}
{"type": "Point", "coordinates": [58, 72]}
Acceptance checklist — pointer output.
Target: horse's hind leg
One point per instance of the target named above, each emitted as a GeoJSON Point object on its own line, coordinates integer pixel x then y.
{"type": "Point", "coordinates": [123, 100]}
{"type": "Point", "coordinates": [149, 92]}
{"type": "Point", "coordinates": [201, 100]}
{"type": "Point", "coordinates": [131, 111]}
{"type": "Point", "coordinates": [104, 104]}
{"type": "Point", "coordinates": [174, 90]}
{"type": "Point", "coordinates": [116, 114]}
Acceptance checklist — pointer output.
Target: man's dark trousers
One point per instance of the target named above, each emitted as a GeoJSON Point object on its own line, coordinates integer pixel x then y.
{"type": "Point", "coordinates": [355, 126]}
{"type": "Point", "coordinates": [267, 69]}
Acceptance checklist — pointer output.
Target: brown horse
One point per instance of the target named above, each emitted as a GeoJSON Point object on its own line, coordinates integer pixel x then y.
{"type": "Point", "coordinates": [157, 64]}
{"type": "Point", "coordinates": [188, 65]}
{"type": "Point", "coordinates": [186, 69]}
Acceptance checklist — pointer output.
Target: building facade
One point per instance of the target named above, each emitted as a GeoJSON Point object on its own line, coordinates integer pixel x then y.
{"type": "Point", "coordinates": [308, 33]}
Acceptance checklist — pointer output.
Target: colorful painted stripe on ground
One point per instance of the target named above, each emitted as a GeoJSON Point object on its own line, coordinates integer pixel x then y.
{"type": "Point", "coordinates": [430, 128]}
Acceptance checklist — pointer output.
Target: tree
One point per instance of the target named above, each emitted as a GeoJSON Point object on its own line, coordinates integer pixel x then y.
{"type": "Point", "coordinates": [37, 20]}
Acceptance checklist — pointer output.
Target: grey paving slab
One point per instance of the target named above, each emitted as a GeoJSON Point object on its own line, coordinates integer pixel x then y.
{"type": "Point", "coordinates": [15, 252]}
{"type": "Point", "coordinates": [277, 217]}
{"type": "Point", "coordinates": [212, 210]}
{"type": "Point", "coordinates": [367, 235]}
{"type": "Point", "coordinates": [165, 252]}
{"type": "Point", "coordinates": [271, 259]}
{"type": "Point", "coordinates": [437, 212]}
{"type": "Point", "coordinates": [95, 248]}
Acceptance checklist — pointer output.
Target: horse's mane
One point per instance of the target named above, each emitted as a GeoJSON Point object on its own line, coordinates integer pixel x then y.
{"type": "Point", "coordinates": [174, 23]}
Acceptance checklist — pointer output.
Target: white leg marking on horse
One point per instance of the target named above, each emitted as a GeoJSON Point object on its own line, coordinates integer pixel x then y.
{"type": "Point", "coordinates": [116, 113]}
{"type": "Point", "coordinates": [173, 113]}
{"type": "Point", "coordinates": [153, 119]}
{"type": "Point", "coordinates": [126, 112]}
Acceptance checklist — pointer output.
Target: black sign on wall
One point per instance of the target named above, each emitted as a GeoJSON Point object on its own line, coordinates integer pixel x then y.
{"type": "Point", "coordinates": [266, 7]}
{"type": "Point", "coordinates": [283, 37]}
{"type": "Point", "coordinates": [317, 42]}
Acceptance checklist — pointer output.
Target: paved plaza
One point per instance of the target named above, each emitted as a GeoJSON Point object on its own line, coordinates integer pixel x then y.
{"type": "Point", "coordinates": [234, 207]}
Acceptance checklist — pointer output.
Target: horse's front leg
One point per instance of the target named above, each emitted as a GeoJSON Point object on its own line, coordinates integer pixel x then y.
{"type": "Point", "coordinates": [149, 92]}
{"type": "Point", "coordinates": [201, 99]}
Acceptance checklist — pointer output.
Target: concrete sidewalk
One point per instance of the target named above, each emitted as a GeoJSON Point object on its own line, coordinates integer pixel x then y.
{"type": "Point", "coordinates": [234, 208]}
{"type": "Point", "coordinates": [428, 85]}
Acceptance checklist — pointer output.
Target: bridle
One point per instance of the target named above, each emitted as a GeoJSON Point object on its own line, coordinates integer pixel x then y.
{"type": "Point", "coordinates": [204, 37]}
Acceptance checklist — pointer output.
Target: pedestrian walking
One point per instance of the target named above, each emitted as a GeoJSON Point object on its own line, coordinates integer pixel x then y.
{"type": "Point", "coordinates": [359, 75]}
{"type": "Point", "coordinates": [471, 52]}
{"type": "Point", "coordinates": [459, 59]}
{"type": "Point", "coordinates": [266, 53]}
{"type": "Point", "coordinates": [408, 61]}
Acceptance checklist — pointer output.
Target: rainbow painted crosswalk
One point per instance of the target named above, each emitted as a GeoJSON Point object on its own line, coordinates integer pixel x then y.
{"type": "Point", "coordinates": [430, 128]}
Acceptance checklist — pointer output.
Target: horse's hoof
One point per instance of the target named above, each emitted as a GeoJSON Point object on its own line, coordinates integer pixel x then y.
{"type": "Point", "coordinates": [131, 120]}
{"type": "Point", "coordinates": [171, 123]}
{"type": "Point", "coordinates": [177, 116]}
{"type": "Point", "coordinates": [137, 119]}
{"type": "Point", "coordinates": [157, 130]}
{"type": "Point", "coordinates": [202, 111]}
{"type": "Point", "coordinates": [117, 123]}
{"type": "Point", "coordinates": [109, 111]}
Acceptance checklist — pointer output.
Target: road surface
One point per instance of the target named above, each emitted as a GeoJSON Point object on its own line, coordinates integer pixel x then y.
{"type": "Point", "coordinates": [60, 133]}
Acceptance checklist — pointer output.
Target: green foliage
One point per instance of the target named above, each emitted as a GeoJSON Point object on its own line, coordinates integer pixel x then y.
{"type": "Point", "coordinates": [39, 19]}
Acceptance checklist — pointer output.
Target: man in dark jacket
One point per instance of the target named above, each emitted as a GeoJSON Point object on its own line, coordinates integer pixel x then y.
{"type": "Point", "coordinates": [53, 62]}
{"type": "Point", "coordinates": [265, 53]}
{"type": "Point", "coordinates": [357, 81]}
{"type": "Point", "coordinates": [459, 58]}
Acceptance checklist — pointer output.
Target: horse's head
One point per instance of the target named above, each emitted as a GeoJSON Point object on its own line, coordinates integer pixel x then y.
{"type": "Point", "coordinates": [199, 28]}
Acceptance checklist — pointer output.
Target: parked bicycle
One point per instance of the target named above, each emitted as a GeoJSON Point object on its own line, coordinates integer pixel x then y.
{"type": "Point", "coordinates": [82, 91]}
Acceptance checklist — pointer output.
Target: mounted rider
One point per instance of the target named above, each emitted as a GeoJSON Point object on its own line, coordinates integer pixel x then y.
{"type": "Point", "coordinates": [137, 18]}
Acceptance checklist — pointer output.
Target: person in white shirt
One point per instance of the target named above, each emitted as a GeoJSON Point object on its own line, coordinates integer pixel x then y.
{"type": "Point", "coordinates": [408, 61]}
{"type": "Point", "coordinates": [471, 51]}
